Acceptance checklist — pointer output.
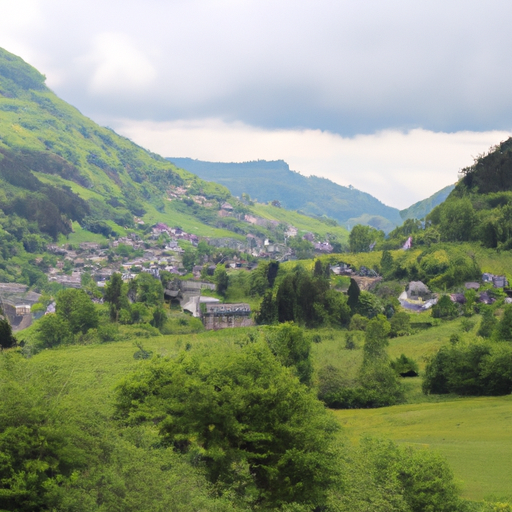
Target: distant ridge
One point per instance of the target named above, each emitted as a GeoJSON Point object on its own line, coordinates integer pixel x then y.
{"type": "Point", "coordinates": [273, 180]}
{"type": "Point", "coordinates": [422, 208]}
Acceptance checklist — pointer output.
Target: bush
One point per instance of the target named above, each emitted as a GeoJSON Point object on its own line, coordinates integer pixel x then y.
{"type": "Point", "coordinates": [480, 368]}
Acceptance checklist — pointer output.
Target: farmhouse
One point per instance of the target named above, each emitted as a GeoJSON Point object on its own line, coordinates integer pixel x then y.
{"type": "Point", "coordinates": [416, 290]}
{"type": "Point", "coordinates": [222, 316]}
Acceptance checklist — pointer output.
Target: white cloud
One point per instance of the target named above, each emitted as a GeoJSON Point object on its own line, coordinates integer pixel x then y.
{"type": "Point", "coordinates": [399, 168]}
{"type": "Point", "coordinates": [119, 66]}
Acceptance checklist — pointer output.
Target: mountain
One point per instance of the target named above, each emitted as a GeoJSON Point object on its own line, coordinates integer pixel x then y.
{"type": "Point", "coordinates": [273, 180]}
{"type": "Point", "coordinates": [479, 208]}
{"type": "Point", "coordinates": [62, 175]}
{"type": "Point", "coordinates": [421, 209]}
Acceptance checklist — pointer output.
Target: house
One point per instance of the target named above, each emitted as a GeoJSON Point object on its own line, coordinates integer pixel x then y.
{"type": "Point", "coordinates": [416, 290]}
{"type": "Point", "coordinates": [458, 298]}
{"type": "Point", "coordinates": [472, 286]}
{"type": "Point", "coordinates": [222, 316]}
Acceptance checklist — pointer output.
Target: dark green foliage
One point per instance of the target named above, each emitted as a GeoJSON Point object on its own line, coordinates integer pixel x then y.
{"type": "Point", "coordinates": [405, 366]}
{"type": "Point", "coordinates": [353, 294]}
{"type": "Point", "coordinates": [310, 301]}
{"type": "Point", "coordinates": [267, 313]}
{"type": "Point", "coordinates": [470, 369]}
{"type": "Point", "coordinates": [386, 264]}
{"type": "Point", "coordinates": [7, 340]}
{"type": "Point", "coordinates": [256, 431]}
{"type": "Point", "coordinates": [115, 295]}
{"type": "Point", "coordinates": [146, 289]}
{"type": "Point", "coordinates": [221, 280]}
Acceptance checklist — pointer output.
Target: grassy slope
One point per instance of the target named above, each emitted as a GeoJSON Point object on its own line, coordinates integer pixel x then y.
{"type": "Point", "coordinates": [301, 222]}
{"type": "Point", "coordinates": [472, 433]}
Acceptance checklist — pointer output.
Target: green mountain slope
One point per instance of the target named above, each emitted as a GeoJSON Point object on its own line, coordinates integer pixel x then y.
{"type": "Point", "coordinates": [60, 171]}
{"type": "Point", "coordinates": [480, 206]}
{"type": "Point", "coordinates": [268, 181]}
{"type": "Point", "coordinates": [422, 208]}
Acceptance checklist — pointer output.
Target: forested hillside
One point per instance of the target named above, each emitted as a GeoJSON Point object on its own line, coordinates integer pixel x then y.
{"type": "Point", "coordinates": [62, 173]}
{"type": "Point", "coordinates": [312, 195]}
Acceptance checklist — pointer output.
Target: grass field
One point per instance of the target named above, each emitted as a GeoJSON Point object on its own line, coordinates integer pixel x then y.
{"type": "Point", "coordinates": [474, 434]}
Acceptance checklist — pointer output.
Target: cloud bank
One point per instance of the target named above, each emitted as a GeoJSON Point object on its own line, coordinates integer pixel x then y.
{"type": "Point", "coordinates": [399, 168]}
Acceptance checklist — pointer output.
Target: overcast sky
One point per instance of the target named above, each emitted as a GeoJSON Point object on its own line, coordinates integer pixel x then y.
{"type": "Point", "coordinates": [392, 97]}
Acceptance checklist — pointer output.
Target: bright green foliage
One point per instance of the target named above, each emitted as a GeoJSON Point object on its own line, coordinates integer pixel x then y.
{"type": "Point", "coordinates": [391, 478]}
{"type": "Point", "coordinates": [488, 322]}
{"type": "Point", "coordinates": [76, 307]}
{"type": "Point", "coordinates": [400, 324]}
{"type": "Point", "coordinates": [369, 305]}
{"type": "Point", "coordinates": [291, 348]}
{"type": "Point", "coordinates": [243, 416]}
{"type": "Point", "coordinates": [358, 322]}
{"type": "Point", "coordinates": [503, 330]}
{"type": "Point", "coordinates": [361, 237]}
{"type": "Point", "coordinates": [376, 339]}
{"type": "Point", "coordinates": [7, 340]}
{"type": "Point", "coordinates": [53, 330]}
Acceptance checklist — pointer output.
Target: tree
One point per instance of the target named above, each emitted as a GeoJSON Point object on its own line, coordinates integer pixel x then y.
{"type": "Point", "coordinates": [147, 289]}
{"type": "Point", "coordinates": [386, 264]}
{"type": "Point", "coordinates": [256, 430]}
{"type": "Point", "coordinates": [353, 293]}
{"type": "Point", "coordinates": [292, 349]}
{"type": "Point", "coordinates": [7, 340]}
{"type": "Point", "coordinates": [76, 307]}
{"type": "Point", "coordinates": [504, 327]}
{"type": "Point", "coordinates": [268, 310]}
{"type": "Point", "coordinates": [221, 279]}
{"type": "Point", "coordinates": [362, 237]}
{"type": "Point", "coordinates": [376, 339]}
{"type": "Point", "coordinates": [115, 295]}
{"type": "Point", "coordinates": [53, 330]}
{"type": "Point", "coordinates": [488, 323]}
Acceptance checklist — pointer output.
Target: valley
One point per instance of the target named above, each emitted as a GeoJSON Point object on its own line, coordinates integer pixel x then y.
{"type": "Point", "coordinates": [212, 341]}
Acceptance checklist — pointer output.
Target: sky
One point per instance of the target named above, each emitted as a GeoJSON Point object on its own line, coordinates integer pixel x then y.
{"type": "Point", "coordinates": [392, 97]}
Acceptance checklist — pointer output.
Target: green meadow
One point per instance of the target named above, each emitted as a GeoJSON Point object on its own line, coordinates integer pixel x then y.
{"type": "Point", "coordinates": [474, 434]}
